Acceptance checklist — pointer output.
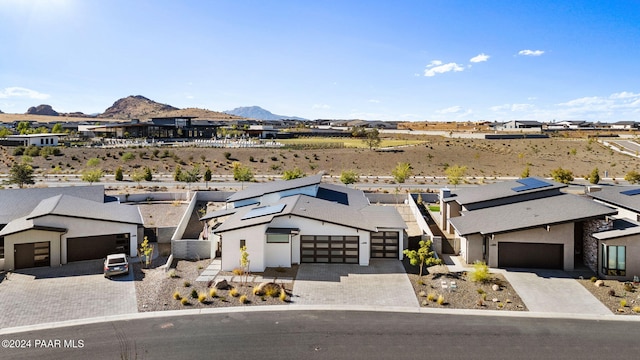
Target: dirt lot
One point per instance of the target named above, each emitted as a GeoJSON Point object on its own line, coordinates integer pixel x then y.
{"type": "Point", "coordinates": [483, 158]}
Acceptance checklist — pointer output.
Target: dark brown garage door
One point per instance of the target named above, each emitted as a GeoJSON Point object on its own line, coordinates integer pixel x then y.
{"type": "Point", "coordinates": [96, 247]}
{"type": "Point", "coordinates": [384, 244]}
{"type": "Point", "coordinates": [329, 249]}
{"type": "Point", "coordinates": [530, 255]}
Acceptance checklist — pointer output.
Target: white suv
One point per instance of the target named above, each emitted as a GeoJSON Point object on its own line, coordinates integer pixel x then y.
{"type": "Point", "coordinates": [116, 264]}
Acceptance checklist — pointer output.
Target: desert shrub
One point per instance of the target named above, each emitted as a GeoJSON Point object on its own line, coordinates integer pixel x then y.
{"type": "Point", "coordinates": [234, 292]}
{"type": "Point", "coordinates": [227, 155]}
{"type": "Point", "coordinates": [213, 293]}
{"type": "Point", "coordinates": [628, 287]}
{"type": "Point", "coordinates": [636, 309]}
{"type": "Point", "coordinates": [202, 298]}
{"type": "Point", "coordinates": [238, 271]}
{"type": "Point", "coordinates": [243, 299]}
{"type": "Point", "coordinates": [128, 156]}
{"type": "Point", "coordinates": [480, 291]}
{"type": "Point", "coordinates": [422, 293]}
{"type": "Point", "coordinates": [431, 297]}
{"type": "Point", "coordinates": [283, 295]}
{"type": "Point", "coordinates": [184, 301]}
{"type": "Point", "coordinates": [172, 274]}
{"type": "Point", "coordinates": [440, 300]}
{"type": "Point", "coordinates": [194, 293]}
{"type": "Point", "coordinates": [623, 302]}
{"type": "Point", "coordinates": [612, 292]}
{"type": "Point", "coordinates": [176, 295]}
{"type": "Point", "coordinates": [593, 279]}
{"type": "Point", "coordinates": [480, 272]}
{"type": "Point", "coordinates": [186, 283]}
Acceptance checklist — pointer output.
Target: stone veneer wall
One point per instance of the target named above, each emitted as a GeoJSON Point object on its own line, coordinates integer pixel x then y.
{"type": "Point", "coordinates": [590, 244]}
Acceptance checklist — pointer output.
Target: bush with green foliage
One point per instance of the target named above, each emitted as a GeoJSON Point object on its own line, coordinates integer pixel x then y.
{"type": "Point", "coordinates": [594, 177]}
{"type": "Point", "coordinates": [349, 177]}
{"type": "Point", "coordinates": [423, 256]}
{"type": "Point", "coordinates": [633, 177]}
{"type": "Point", "coordinates": [128, 156]}
{"type": "Point", "coordinates": [402, 172]}
{"type": "Point", "coordinates": [295, 173]}
{"type": "Point", "coordinates": [562, 176]}
{"type": "Point", "coordinates": [480, 272]}
{"type": "Point", "coordinates": [119, 175]}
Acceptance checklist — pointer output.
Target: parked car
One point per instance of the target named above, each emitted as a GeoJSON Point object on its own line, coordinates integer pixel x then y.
{"type": "Point", "coordinates": [116, 264]}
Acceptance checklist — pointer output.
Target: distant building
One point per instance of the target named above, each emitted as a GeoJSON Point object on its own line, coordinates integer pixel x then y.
{"type": "Point", "coordinates": [33, 139]}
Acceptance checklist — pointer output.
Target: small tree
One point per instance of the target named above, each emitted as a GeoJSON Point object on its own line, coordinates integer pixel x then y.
{"type": "Point", "coordinates": [633, 177]}
{"type": "Point", "coordinates": [295, 173]}
{"type": "Point", "coordinates": [138, 175]}
{"type": "Point", "coordinates": [177, 173]}
{"type": "Point", "coordinates": [92, 175]}
{"type": "Point", "coordinates": [525, 172]}
{"type": "Point", "coordinates": [455, 174]}
{"type": "Point", "coordinates": [594, 177]}
{"type": "Point", "coordinates": [207, 176]}
{"type": "Point", "coordinates": [93, 162]}
{"type": "Point", "coordinates": [244, 262]}
{"type": "Point", "coordinates": [349, 177]}
{"type": "Point", "coordinates": [562, 176]}
{"type": "Point", "coordinates": [57, 128]}
{"type": "Point", "coordinates": [119, 176]}
{"type": "Point", "coordinates": [148, 175]}
{"type": "Point", "coordinates": [372, 138]}
{"type": "Point", "coordinates": [423, 256]}
{"type": "Point", "coordinates": [191, 176]}
{"type": "Point", "coordinates": [241, 173]}
{"type": "Point", "coordinates": [145, 253]}
{"type": "Point", "coordinates": [401, 172]}
{"type": "Point", "coordinates": [21, 174]}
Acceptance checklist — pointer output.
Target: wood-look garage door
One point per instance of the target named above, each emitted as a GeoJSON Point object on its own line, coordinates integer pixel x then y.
{"type": "Point", "coordinates": [96, 247]}
{"type": "Point", "coordinates": [384, 244]}
{"type": "Point", "coordinates": [329, 249]}
{"type": "Point", "coordinates": [530, 255]}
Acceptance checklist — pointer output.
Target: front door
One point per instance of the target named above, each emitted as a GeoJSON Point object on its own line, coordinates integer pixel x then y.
{"type": "Point", "coordinates": [24, 256]}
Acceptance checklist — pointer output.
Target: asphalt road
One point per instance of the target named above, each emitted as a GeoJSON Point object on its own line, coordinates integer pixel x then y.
{"type": "Point", "coordinates": [332, 335]}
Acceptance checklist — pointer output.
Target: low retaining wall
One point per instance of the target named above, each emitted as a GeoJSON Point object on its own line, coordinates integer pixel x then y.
{"type": "Point", "coordinates": [191, 249]}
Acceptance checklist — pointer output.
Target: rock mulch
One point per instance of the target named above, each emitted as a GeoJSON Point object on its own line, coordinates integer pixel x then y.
{"type": "Point", "coordinates": [613, 294]}
{"type": "Point", "coordinates": [155, 288]}
{"type": "Point", "coordinates": [497, 294]}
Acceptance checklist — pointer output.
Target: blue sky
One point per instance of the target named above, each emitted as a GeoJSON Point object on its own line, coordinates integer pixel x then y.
{"type": "Point", "coordinates": [390, 60]}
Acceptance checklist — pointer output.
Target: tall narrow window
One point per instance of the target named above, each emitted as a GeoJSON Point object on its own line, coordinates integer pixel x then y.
{"type": "Point", "coordinates": [614, 260]}
{"type": "Point", "coordinates": [243, 243]}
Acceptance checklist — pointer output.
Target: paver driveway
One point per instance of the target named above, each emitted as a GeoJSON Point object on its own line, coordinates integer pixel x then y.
{"type": "Point", "coordinates": [382, 283]}
{"type": "Point", "coordinates": [73, 291]}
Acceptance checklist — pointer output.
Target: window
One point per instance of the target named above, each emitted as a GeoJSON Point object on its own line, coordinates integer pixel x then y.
{"type": "Point", "coordinates": [614, 260]}
{"type": "Point", "coordinates": [243, 243]}
{"type": "Point", "coordinates": [1, 247]}
{"type": "Point", "coordinates": [277, 238]}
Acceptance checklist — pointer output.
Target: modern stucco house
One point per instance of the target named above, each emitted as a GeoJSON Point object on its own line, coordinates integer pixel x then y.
{"type": "Point", "coordinates": [526, 223]}
{"type": "Point", "coordinates": [305, 221]}
{"type": "Point", "coordinates": [54, 226]}
{"type": "Point", "coordinates": [617, 241]}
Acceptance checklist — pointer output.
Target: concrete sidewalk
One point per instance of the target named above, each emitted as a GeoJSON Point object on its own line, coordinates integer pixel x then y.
{"type": "Point", "coordinates": [553, 291]}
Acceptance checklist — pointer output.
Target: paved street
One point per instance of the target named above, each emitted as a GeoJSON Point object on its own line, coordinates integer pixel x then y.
{"type": "Point", "coordinates": [73, 291]}
{"type": "Point", "coordinates": [383, 283]}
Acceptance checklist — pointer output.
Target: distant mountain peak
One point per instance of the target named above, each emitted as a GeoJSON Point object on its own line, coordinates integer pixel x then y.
{"type": "Point", "coordinates": [256, 112]}
{"type": "Point", "coordinates": [135, 106]}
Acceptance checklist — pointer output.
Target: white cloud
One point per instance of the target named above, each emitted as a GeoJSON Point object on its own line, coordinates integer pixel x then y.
{"type": "Point", "coordinates": [450, 110]}
{"type": "Point", "coordinates": [374, 101]}
{"type": "Point", "coordinates": [321, 106]}
{"type": "Point", "coordinates": [530, 52]}
{"type": "Point", "coordinates": [479, 58]}
{"type": "Point", "coordinates": [511, 107]}
{"type": "Point", "coordinates": [624, 95]}
{"type": "Point", "coordinates": [437, 67]}
{"type": "Point", "coordinates": [22, 92]}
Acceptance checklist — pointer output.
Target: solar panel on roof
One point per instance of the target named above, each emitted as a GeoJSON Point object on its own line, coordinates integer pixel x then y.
{"type": "Point", "coordinates": [263, 210]}
{"type": "Point", "coordinates": [530, 184]}
{"type": "Point", "coordinates": [631, 192]}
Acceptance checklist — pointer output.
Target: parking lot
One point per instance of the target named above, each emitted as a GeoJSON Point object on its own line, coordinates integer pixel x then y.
{"type": "Point", "coordinates": [73, 291]}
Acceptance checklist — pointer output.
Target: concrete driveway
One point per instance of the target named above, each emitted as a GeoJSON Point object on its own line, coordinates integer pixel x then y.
{"type": "Point", "coordinates": [382, 283]}
{"type": "Point", "coordinates": [73, 291]}
{"type": "Point", "coordinates": [553, 291]}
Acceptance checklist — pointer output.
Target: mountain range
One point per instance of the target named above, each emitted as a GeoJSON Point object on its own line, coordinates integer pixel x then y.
{"type": "Point", "coordinates": [256, 112]}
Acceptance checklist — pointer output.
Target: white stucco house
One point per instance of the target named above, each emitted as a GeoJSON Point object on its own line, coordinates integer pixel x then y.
{"type": "Point", "coordinates": [54, 226]}
{"type": "Point", "coordinates": [524, 223]}
{"type": "Point", "coordinates": [37, 139]}
{"type": "Point", "coordinates": [304, 221]}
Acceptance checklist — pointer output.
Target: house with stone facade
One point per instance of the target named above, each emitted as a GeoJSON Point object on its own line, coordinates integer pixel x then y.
{"type": "Point", "coordinates": [304, 221]}
{"type": "Point", "coordinates": [524, 223]}
{"type": "Point", "coordinates": [616, 242]}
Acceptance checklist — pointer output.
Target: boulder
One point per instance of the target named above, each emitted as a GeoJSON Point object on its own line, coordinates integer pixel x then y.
{"type": "Point", "coordinates": [221, 285]}
{"type": "Point", "coordinates": [495, 287]}
{"type": "Point", "coordinates": [267, 288]}
{"type": "Point", "coordinates": [599, 283]}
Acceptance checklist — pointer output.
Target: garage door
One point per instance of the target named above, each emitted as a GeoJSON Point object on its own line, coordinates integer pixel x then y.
{"type": "Point", "coordinates": [329, 249]}
{"type": "Point", "coordinates": [31, 255]}
{"type": "Point", "coordinates": [96, 247]}
{"type": "Point", "coordinates": [384, 244]}
{"type": "Point", "coordinates": [530, 255]}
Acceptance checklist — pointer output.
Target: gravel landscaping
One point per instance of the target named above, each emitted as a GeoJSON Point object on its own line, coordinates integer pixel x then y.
{"type": "Point", "coordinates": [466, 295]}
{"type": "Point", "coordinates": [155, 287]}
{"type": "Point", "coordinates": [620, 299]}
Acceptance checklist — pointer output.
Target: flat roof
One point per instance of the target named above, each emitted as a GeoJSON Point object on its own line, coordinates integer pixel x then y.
{"type": "Point", "coordinates": [627, 197]}
{"type": "Point", "coordinates": [501, 190]}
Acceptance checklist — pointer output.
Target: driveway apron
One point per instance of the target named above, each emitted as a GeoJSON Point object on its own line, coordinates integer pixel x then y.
{"type": "Point", "coordinates": [553, 291]}
{"type": "Point", "coordinates": [73, 291]}
{"type": "Point", "coordinates": [382, 283]}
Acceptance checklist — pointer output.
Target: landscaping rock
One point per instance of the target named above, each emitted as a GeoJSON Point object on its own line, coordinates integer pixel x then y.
{"type": "Point", "coordinates": [267, 288]}
{"type": "Point", "coordinates": [495, 287]}
{"type": "Point", "coordinates": [221, 285]}
{"type": "Point", "coordinates": [599, 283]}
{"type": "Point", "coordinates": [495, 300]}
